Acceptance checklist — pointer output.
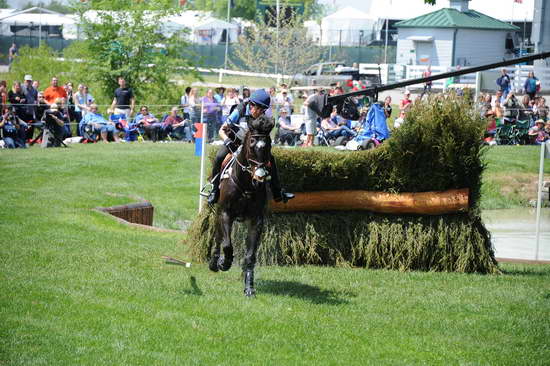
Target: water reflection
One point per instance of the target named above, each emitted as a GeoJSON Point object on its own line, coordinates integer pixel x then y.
{"type": "Point", "coordinates": [514, 232]}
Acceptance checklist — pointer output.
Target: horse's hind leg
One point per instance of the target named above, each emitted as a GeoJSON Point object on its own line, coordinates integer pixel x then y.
{"type": "Point", "coordinates": [255, 228]}
{"type": "Point", "coordinates": [226, 224]}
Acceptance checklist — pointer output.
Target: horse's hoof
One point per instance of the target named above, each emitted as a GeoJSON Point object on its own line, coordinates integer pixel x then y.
{"type": "Point", "coordinates": [250, 292]}
{"type": "Point", "coordinates": [213, 263]}
{"type": "Point", "coordinates": [224, 263]}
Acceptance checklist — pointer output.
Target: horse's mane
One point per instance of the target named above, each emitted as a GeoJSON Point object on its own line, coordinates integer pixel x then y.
{"type": "Point", "coordinates": [261, 125]}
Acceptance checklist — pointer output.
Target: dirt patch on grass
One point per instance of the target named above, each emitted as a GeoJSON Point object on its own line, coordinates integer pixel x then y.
{"type": "Point", "coordinates": [522, 185]}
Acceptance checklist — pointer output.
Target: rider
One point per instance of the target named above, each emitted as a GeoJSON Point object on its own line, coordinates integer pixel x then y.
{"type": "Point", "coordinates": [253, 108]}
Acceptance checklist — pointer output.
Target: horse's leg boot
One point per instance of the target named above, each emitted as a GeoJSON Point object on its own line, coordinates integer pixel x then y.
{"type": "Point", "coordinates": [249, 289]}
{"type": "Point", "coordinates": [213, 263]}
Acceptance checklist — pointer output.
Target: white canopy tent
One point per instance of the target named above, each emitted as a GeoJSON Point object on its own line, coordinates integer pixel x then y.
{"type": "Point", "coordinates": [203, 28]}
{"type": "Point", "coordinates": [347, 27]}
{"type": "Point", "coordinates": [32, 21]}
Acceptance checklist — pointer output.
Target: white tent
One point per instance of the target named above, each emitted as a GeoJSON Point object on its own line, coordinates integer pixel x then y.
{"type": "Point", "coordinates": [34, 20]}
{"type": "Point", "coordinates": [347, 27]}
{"type": "Point", "coordinates": [203, 28]}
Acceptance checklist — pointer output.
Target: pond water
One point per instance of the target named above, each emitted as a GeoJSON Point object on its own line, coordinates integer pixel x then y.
{"type": "Point", "coordinates": [513, 232]}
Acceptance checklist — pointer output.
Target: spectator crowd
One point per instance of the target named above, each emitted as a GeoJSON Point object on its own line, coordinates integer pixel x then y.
{"type": "Point", "coordinates": [52, 115]}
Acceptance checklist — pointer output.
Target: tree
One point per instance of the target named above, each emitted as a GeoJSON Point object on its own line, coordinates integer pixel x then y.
{"type": "Point", "coordinates": [286, 52]}
{"type": "Point", "coordinates": [4, 4]}
{"type": "Point", "coordinates": [126, 39]}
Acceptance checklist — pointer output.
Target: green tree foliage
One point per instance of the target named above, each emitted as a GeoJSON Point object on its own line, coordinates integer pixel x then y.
{"type": "Point", "coordinates": [286, 52]}
{"type": "Point", "coordinates": [240, 8]}
{"type": "Point", "coordinates": [4, 4]}
{"type": "Point", "coordinates": [125, 39]}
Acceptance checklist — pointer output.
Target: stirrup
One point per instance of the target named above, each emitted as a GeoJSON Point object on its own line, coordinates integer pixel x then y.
{"type": "Point", "coordinates": [206, 189]}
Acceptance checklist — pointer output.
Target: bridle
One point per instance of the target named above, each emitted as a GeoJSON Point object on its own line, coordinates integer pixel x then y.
{"type": "Point", "coordinates": [255, 168]}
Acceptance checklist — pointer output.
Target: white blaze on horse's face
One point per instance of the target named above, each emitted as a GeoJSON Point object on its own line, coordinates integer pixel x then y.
{"type": "Point", "coordinates": [260, 144]}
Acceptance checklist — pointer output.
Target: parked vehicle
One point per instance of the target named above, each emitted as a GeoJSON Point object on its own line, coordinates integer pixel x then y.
{"type": "Point", "coordinates": [329, 73]}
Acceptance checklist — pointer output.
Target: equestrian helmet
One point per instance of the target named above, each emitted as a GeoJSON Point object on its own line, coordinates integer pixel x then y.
{"type": "Point", "coordinates": [260, 98]}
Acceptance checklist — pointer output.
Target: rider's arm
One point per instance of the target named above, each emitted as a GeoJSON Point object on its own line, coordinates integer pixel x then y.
{"type": "Point", "coordinates": [234, 117]}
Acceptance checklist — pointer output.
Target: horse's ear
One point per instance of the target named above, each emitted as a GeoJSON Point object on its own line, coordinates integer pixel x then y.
{"type": "Point", "coordinates": [262, 124]}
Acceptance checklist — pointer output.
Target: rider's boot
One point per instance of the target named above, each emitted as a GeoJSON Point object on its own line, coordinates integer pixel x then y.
{"type": "Point", "coordinates": [215, 192]}
{"type": "Point", "coordinates": [279, 194]}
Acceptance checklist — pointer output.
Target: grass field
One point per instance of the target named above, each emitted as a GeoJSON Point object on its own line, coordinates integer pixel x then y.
{"type": "Point", "coordinates": [78, 287]}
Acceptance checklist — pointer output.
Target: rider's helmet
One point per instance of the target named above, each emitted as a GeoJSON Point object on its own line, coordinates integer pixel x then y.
{"type": "Point", "coordinates": [260, 98]}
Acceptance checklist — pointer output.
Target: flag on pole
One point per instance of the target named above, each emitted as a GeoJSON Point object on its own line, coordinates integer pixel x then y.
{"type": "Point", "coordinates": [518, 1]}
{"type": "Point", "coordinates": [198, 139]}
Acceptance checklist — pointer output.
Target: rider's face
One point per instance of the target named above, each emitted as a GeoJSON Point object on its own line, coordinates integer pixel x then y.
{"type": "Point", "coordinates": [256, 111]}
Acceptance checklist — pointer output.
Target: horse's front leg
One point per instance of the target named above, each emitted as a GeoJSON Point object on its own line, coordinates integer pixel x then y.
{"type": "Point", "coordinates": [226, 225]}
{"type": "Point", "coordinates": [255, 229]}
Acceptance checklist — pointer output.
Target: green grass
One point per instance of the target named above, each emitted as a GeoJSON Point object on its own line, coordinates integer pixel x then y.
{"type": "Point", "coordinates": [77, 287]}
{"type": "Point", "coordinates": [511, 177]}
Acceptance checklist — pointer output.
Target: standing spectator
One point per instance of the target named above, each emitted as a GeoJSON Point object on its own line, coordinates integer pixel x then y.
{"type": "Point", "coordinates": [70, 101]}
{"type": "Point", "coordinates": [12, 54]}
{"type": "Point", "coordinates": [41, 106]}
{"type": "Point", "coordinates": [18, 100]}
{"type": "Point", "coordinates": [218, 96]}
{"type": "Point", "coordinates": [54, 91]}
{"type": "Point", "coordinates": [4, 95]}
{"type": "Point", "coordinates": [124, 101]}
{"type": "Point", "coordinates": [194, 106]}
{"type": "Point", "coordinates": [428, 84]}
{"type": "Point", "coordinates": [387, 107]}
{"type": "Point", "coordinates": [313, 105]}
{"type": "Point", "coordinates": [503, 83]}
{"type": "Point", "coordinates": [246, 95]}
{"type": "Point", "coordinates": [531, 85]}
{"type": "Point", "coordinates": [230, 100]}
{"type": "Point", "coordinates": [273, 103]}
{"type": "Point", "coordinates": [31, 94]}
{"type": "Point", "coordinates": [405, 103]}
{"type": "Point", "coordinates": [210, 110]}
{"type": "Point", "coordinates": [185, 103]}
{"type": "Point", "coordinates": [82, 101]}
{"type": "Point", "coordinates": [284, 101]}
{"type": "Point", "coordinates": [36, 84]}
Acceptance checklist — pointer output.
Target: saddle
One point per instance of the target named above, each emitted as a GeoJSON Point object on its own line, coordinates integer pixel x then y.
{"type": "Point", "coordinates": [226, 167]}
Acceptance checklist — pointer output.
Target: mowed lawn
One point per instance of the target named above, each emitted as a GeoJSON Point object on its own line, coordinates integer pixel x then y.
{"type": "Point", "coordinates": [79, 288]}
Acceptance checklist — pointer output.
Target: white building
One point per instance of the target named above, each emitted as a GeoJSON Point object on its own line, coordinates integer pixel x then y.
{"type": "Point", "coordinates": [454, 36]}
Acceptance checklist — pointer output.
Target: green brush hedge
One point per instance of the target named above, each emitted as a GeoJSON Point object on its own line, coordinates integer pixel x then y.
{"type": "Point", "coordinates": [438, 148]}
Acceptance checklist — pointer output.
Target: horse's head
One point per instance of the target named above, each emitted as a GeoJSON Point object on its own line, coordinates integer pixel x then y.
{"type": "Point", "coordinates": [258, 145]}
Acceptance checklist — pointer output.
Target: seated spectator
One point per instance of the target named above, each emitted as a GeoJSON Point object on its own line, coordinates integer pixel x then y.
{"type": "Point", "coordinates": [177, 126]}
{"type": "Point", "coordinates": [149, 123]}
{"type": "Point", "coordinates": [41, 107]}
{"type": "Point", "coordinates": [13, 130]}
{"type": "Point", "coordinates": [65, 112]}
{"type": "Point", "coordinates": [525, 112]}
{"type": "Point", "coordinates": [121, 125]}
{"type": "Point", "coordinates": [54, 121]}
{"type": "Point", "coordinates": [287, 132]}
{"type": "Point", "coordinates": [99, 124]}
{"type": "Point", "coordinates": [511, 108]}
{"type": "Point", "coordinates": [387, 106]}
{"type": "Point", "coordinates": [336, 127]}
{"type": "Point", "coordinates": [538, 133]}
{"type": "Point", "coordinates": [542, 109]}
{"type": "Point", "coordinates": [399, 120]}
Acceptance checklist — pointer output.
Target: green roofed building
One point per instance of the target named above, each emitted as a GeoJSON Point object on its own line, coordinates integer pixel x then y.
{"type": "Point", "coordinates": [454, 36]}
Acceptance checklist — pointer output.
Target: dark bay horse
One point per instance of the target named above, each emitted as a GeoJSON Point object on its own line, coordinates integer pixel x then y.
{"type": "Point", "coordinates": [243, 196]}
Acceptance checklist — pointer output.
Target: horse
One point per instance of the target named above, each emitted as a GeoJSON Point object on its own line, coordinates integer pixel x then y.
{"type": "Point", "coordinates": [243, 197]}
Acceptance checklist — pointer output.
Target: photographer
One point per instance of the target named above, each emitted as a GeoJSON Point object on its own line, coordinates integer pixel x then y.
{"type": "Point", "coordinates": [14, 131]}
{"type": "Point", "coordinates": [54, 121]}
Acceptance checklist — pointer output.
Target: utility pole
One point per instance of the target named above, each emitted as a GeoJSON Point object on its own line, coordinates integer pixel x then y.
{"type": "Point", "coordinates": [220, 78]}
